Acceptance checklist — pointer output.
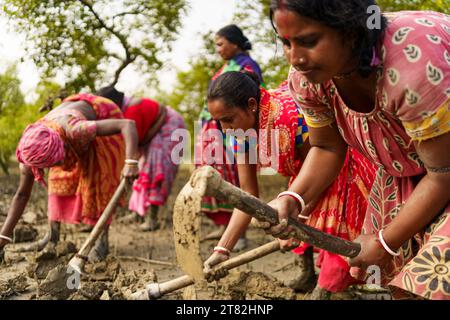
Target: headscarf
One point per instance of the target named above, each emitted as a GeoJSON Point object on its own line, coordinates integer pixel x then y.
{"type": "Point", "coordinates": [40, 147]}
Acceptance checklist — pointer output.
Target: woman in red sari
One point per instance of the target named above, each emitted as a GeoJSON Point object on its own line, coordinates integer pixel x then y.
{"type": "Point", "coordinates": [236, 100]}
{"type": "Point", "coordinates": [155, 124]}
{"type": "Point", "coordinates": [84, 142]}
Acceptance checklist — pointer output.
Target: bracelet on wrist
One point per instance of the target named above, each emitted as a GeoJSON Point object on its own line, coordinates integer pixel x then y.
{"type": "Point", "coordinates": [385, 246]}
{"type": "Point", "coordinates": [131, 161]}
{"type": "Point", "coordinates": [222, 250]}
{"type": "Point", "coordinates": [6, 238]}
{"type": "Point", "coordinates": [299, 200]}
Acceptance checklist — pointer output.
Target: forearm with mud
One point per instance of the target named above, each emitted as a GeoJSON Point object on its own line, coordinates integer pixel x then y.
{"type": "Point", "coordinates": [18, 204]}
{"type": "Point", "coordinates": [428, 199]}
{"type": "Point", "coordinates": [240, 220]}
{"type": "Point", "coordinates": [319, 170]}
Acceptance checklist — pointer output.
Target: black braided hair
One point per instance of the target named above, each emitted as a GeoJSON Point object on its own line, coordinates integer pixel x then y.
{"type": "Point", "coordinates": [235, 88]}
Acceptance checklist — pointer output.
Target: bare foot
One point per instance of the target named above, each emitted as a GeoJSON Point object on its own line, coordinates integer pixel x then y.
{"type": "Point", "coordinates": [305, 280]}
{"type": "Point", "coordinates": [100, 250]}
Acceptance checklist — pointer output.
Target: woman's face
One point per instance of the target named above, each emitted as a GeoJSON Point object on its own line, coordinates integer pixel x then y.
{"type": "Point", "coordinates": [226, 49]}
{"type": "Point", "coordinates": [315, 50]}
{"type": "Point", "coordinates": [233, 117]}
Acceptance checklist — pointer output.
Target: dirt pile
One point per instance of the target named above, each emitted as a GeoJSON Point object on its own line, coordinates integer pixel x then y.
{"type": "Point", "coordinates": [259, 286]}
{"type": "Point", "coordinates": [13, 286]}
{"type": "Point", "coordinates": [42, 262]}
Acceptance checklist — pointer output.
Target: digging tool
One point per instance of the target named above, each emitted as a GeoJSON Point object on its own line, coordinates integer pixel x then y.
{"type": "Point", "coordinates": [157, 290]}
{"type": "Point", "coordinates": [206, 181]}
{"type": "Point", "coordinates": [78, 261]}
{"type": "Point", "coordinates": [63, 281]}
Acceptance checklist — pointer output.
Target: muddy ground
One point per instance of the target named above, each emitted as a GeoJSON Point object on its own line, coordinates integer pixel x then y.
{"type": "Point", "coordinates": [138, 258]}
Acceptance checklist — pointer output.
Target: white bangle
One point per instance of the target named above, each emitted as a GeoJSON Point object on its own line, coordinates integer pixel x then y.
{"type": "Point", "coordinates": [219, 248]}
{"type": "Point", "coordinates": [385, 246]}
{"type": "Point", "coordinates": [131, 161]}
{"type": "Point", "coordinates": [303, 217]}
{"type": "Point", "coordinates": [6, 238]}
{"type": "Point", "coordinates": [296, 196]}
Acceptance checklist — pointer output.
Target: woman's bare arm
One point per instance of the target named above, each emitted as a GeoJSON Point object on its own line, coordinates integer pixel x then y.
{"type": "Point", "coordinates": [430, 196]}
{"type": "Point", "coordinates": [240, 220]}
{"type": "Point", "coordinates": [18, 204]}
{"type": "Point", "coordinates": [321, 166]}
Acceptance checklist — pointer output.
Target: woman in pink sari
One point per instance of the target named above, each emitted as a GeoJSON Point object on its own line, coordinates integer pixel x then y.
{"type": "Point", "coordinates": [384, 91]}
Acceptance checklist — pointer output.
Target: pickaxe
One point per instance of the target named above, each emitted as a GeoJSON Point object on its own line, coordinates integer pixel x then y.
{"type": "Point", "coordinates": [206, 181]}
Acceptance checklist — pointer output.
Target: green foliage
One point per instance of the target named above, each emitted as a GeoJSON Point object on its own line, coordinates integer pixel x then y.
{"type": "Point", "coordinates": [86, 39]}
{"type": "Point", "coordinates": [253, 17]}
{"type": "Point", "coordinates": [397, 5]}
{"type": "Point", "coordinates": [189, 94]}
{"type": "Point", "coordinates": [15, 114]}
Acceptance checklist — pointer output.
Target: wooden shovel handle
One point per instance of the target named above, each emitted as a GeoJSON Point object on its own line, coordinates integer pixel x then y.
{"type": "Point", "coordinates": [101, 223]}
{"type": "Point", "coordinates": [249, 256]}
{"type": "Point", "coordinates": [223, 190]}
{"type": "Point", "coordinates": [157, 290]}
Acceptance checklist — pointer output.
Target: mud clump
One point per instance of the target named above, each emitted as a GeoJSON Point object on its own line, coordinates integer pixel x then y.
{"type": "Point", "coordinates": [128, 282]}
{"type": "Point", "coordinates": [24, 233]}
{"type": "Point", "coordinates": [259, 286]}
{"type": "Point", "coordinates": [104, 280]}
{"type": "Point", "coordinates": [89, 291]}
{"type": "Point", "coordinates": [14, 286]}
{"type": "Point", "coordinates": [49, 258]}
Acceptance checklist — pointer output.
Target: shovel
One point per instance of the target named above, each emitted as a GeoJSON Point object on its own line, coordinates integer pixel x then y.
{"type": "Point", "coordinates": [62, 281]}
{"type": "Point", "coordinates": [157, 290]}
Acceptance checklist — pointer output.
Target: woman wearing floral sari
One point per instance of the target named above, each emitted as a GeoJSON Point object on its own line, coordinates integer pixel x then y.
{"type": "Point", "coordinates": [81, 143]}
{"type": "Point", "coordinates": [384, 91]}
{"type": "Point", "coordinates": [281, 140]}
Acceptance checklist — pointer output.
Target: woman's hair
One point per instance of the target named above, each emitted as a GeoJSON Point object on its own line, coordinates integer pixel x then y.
{"type": "Point", "coordinates": [235, 88]}
{"type": "Point", "coordinates": [235, 35]}
{"type": "Point", "coordinates": [112, 94]}
{"type": "Point", "coordinates": [349, 17]}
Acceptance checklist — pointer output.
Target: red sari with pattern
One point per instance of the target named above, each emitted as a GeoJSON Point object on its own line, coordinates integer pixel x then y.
{"type": "Point", "coordinates": [340, 210]}
{"type": "Point", "coordinates": [80, 189]}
